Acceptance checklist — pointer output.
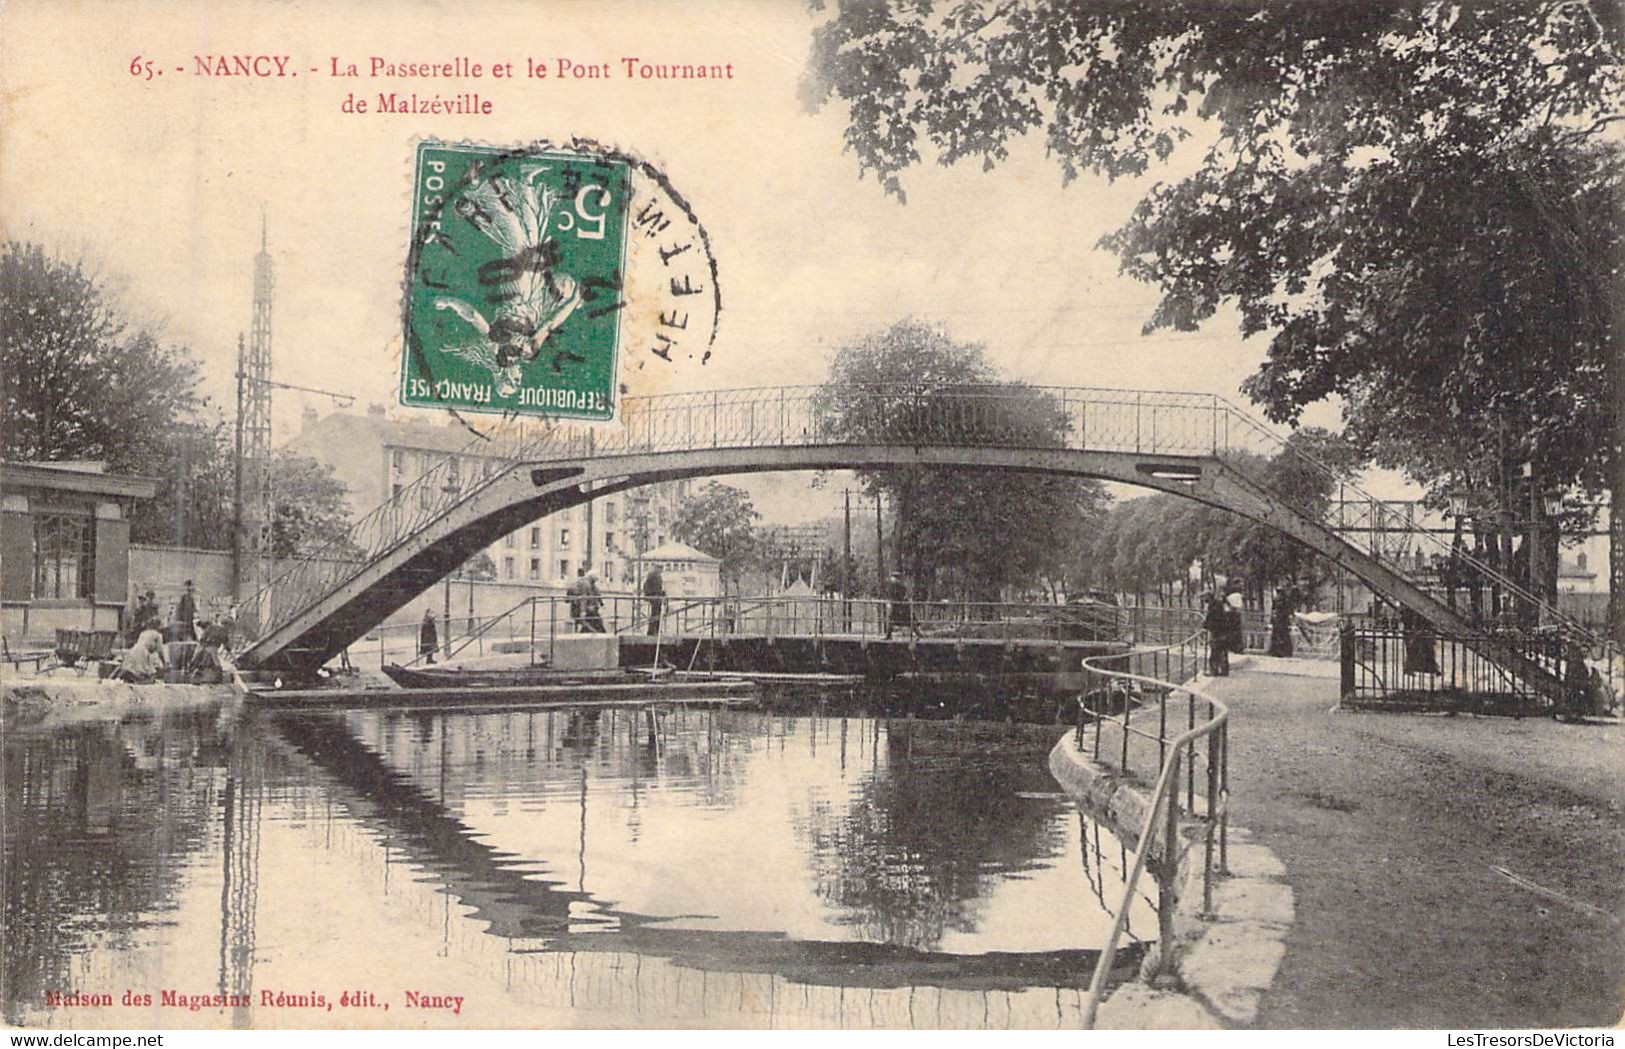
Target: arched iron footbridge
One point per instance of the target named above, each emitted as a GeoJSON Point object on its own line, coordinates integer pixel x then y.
{"type": "Point", "coordinates": [1196, 446]}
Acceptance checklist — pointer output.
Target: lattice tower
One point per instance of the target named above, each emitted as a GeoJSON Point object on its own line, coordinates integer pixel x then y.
{"type": "Point", "coordinates": [257, 495]}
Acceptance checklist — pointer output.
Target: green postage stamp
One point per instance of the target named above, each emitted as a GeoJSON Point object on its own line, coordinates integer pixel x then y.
{"type": "Point", "coordinates": [514, 281]}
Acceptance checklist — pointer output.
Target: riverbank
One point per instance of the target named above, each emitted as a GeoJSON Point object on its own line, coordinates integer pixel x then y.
{"type": "Point", "coordinates": [1223, 960]}
{"type": "Point", "coordinates": [47, 700]}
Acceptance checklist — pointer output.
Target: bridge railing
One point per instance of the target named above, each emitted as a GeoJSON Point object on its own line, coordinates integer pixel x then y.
{"type": "Point", "coordinates": [992, 415]}
{"type": "Point", "coordinates": [542, 620]}
{"type": "Point", "coordinates": [1397, 538]}
{"type": "Point", "coordinates": [1187, 728]}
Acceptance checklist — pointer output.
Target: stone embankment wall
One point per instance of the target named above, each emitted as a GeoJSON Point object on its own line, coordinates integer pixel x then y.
{"type": "Point", "coordinates": [1222, 962]}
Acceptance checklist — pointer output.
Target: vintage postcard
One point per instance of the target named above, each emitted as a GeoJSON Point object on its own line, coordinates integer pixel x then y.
{"type": "Point", "coordinates": [945, 514]}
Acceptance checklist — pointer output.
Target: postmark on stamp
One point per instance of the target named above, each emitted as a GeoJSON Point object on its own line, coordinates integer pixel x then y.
{"type": "Point", "coordinates": [535, 273]}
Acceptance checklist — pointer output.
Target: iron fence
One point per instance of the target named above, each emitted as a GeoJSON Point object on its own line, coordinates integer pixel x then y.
{"type": "Point", "coordinates": [1418, 668]}
{"type": "Point", "coordinates": [1120, 692]}
{"type": "Point", "coordinates": [541, 620]}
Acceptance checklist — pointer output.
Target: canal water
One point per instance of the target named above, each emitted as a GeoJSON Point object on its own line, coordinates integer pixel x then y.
{"type": "Point", "coordinates": [738, 867]}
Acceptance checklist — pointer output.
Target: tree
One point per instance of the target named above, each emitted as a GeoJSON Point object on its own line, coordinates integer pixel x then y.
{"type": "Point", "coordinates": [480, 567]}
{"type": "Point", "coordinates": [966, 534]}
{"type": "Point", "coordinates": [721, 520]}
{"type": "Point", "coordinates": [195, 473]}
{"type": "Point", "coordinates": [309, 508]}
{"type": "Point", "coordinates": [76, 382]}
{"type": "Point", "coordinates": [1148, 544]}
{"type": "Point", "coordinates": [1419, 200]}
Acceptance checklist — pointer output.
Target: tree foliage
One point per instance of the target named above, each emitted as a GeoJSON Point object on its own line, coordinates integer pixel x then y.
{"type": "Point", "coordinates": [958, 533]}
{"type": "Point", "coordinates": [1148, 545]}
{"type": "Point", "coordinates": [77, 382]}
{"type": "Point", "coordinates": [195, 471]}
{"type": "Point", "coordinates": [309, 506]}
{"type": "Point", "coordinates": [721, 520]}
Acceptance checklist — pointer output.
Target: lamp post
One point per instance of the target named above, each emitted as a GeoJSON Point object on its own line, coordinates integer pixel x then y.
{"type": "Point", "coordinates": [452, 486]}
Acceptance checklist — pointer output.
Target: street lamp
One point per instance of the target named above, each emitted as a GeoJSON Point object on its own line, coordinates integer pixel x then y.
{"type": "Point", "coordinates": [452, 486]}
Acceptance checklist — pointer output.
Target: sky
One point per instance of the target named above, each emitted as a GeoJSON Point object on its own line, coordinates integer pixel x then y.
{"type": "Point", "coordinates": [160, 184]}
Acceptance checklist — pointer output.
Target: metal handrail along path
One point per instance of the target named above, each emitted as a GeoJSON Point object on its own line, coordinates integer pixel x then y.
{"type": "Point", "coordinates": [1165, 801]}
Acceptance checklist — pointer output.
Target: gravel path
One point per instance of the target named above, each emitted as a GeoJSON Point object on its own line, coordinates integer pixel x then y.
{"type": "Point", "coordinates": [1449, 871]}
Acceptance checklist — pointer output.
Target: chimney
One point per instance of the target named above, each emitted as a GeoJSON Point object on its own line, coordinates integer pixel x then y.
{"type": "Point", "coordinates": [307, 419]}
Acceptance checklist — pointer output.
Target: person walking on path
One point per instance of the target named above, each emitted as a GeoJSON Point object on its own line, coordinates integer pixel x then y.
{"type": "Point", "coordinates": [654, 591]}
{"type": "Point", "coordinates": [1281, 610]}
{"type": "Point", "coordinates": [1216, 622]}
{"type": "Point", "coordinates": [1234, 631]}
{"type": "Point", "coordinates": [186, 615]}
{"type": "Point", "coordinates": [428, 636]}
{"type": "Point", "coordinates": [143, 617]}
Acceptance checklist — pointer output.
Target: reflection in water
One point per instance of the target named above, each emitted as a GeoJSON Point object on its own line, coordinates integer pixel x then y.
{"type": "Point", "coordinates": [687, 867]}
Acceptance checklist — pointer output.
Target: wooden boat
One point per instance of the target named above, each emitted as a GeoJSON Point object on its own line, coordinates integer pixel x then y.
{"type": "Point", "coordinates": [518, 677]}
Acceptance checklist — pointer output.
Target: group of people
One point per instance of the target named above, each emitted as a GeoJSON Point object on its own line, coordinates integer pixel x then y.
{"type": "Point", "coordinates": [184, 624]}
{"type": "Point", "coordinates": [149, 656]}
{"type": "Point", "coordinates": [586, 610]}
{"type": "Point", "coordinates": [1222, 621]}
{"type": "Point", "coordinates": [586, 603]}
{"type": "Point", "coordinates": [146, 615]}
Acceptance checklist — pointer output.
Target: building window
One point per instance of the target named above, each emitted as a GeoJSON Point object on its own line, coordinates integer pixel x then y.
{"type": "Point", "coordinates": [609, 540]}
{"type": "Point", "coordinates": [564, 568]}
{"type": "Point", "coordinates": [1580, 561]}
{"type": "Point", "coordinates": [65, 556]}
{"type": "Point", "coordinates": [507, 566]}
{"type": "Point", "coordinates": [395, 490]}
{"type": "Point", "coordinates": [424, 498]}
{"type": "Point", "coordinates": [564, 537]}
{"type": "Point", "coordinates": [397, 460]}
{"type": "Point", "coordinates": [508, 540]}
{"type": "Point", "coordinates": [610, 513]}
{"type": "Point", "coordinates": [536, 568]}
{"type": "Point", "coordinates": [535, 538]}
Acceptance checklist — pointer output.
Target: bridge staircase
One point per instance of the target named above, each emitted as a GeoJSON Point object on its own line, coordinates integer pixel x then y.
{"type": "Point", "coordinates": [1197, 446]}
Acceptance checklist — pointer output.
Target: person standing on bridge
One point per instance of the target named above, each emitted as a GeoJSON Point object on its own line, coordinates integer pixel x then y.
{"type": "Point", "coordinates": [592, 607]}
{"type": "Point", "coordinates": [577, 593]}
{"type": "Point", "coordinates": [654, 591]}
{"type": "Point", "coordinates": [900, 611]}
{"type": "Point", "coordinates": [428, 636]}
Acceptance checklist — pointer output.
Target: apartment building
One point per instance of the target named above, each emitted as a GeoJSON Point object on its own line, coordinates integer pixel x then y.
{"type": "Point", "coordinates": [378, 455]}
